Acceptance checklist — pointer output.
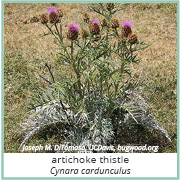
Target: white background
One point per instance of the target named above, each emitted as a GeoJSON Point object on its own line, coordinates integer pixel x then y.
{"type": "Point", "coordinates": [141, 164]}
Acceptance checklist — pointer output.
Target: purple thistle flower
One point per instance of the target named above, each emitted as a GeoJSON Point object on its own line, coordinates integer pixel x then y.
{"type": "Point", "coordinates": [127, 24]}
{"type": "Point", "coordinates": [95, 21]}
{"type": "Point", "coordinates": [51, 10]}
{"type": "Point", "coordinates": [73, 27]}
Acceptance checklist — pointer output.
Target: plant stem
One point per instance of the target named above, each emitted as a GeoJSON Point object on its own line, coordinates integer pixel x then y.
{"type": "Point", "coordinates": [45, 79]}
{"type": "Point", "coordinates": [52, 33]}
{"type": "Point", "coordinates": [60, 42]}
{"type": "Point", "coordinates": [76, 70]}
{"type": "Point", "coordinates": [58, 33]}
{"type": "Point", "coordinates": [72, 50]}
{"type": "Point", "coordinates": [50, 72]}
{"type": "Point", "coordinates": [60, 27]}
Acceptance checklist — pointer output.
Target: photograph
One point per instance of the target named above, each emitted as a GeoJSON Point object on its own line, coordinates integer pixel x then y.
{"type": "Point", "coordinates": [90, 77]}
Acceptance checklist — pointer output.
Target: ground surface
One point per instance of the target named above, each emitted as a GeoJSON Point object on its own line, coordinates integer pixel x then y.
{"type": "Point", "coordinates": [26, 50]}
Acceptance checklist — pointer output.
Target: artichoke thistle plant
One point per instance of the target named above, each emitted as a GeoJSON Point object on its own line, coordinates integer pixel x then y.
{"type": "Point", "coordinates": [99, 97]}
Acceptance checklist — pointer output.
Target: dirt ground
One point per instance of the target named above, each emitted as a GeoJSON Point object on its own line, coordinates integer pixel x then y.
{"type": "Point", "coordinates": [27, 48]}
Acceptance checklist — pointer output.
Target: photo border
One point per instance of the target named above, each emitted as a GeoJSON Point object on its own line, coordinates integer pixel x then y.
{"type": "Point", "coordinates": [2, 84]}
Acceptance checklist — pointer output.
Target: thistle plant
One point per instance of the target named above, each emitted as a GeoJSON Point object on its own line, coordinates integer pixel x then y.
{"type": "Point", "coordinates": [101, 97]}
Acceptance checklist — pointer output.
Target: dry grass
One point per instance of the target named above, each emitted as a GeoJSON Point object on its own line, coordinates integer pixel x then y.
{"type": "Point", "coordinates": [26, 50]}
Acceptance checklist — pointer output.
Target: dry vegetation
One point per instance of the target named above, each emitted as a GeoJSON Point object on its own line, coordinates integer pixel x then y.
{"type": "Point", "coordinates": [27, 49]}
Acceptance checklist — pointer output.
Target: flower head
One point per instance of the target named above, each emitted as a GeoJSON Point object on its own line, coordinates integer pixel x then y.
{"type": "Point", "coordinates": [84, 34]}
{"type": "Point", "coordinates": [51, 10]}
{"type": "Point", "coordinates": [95, 21]}
{"type": "Point", "coordinates": [132, 38]}
{"type": "Point", "coordinates": [127, 24]}
{"type": "Point", "coordinates": [73, 30]}
{"type": "Point", "coordinates": [104, 23]}
{"type": "Point", "coordinates": [114, 24]}
{"type": "Point", "coordinates": [60, 13]}
{"type": "Point", "coordinates": [44, 19]}
{"type": "Point", "coordinates": [94, 29]}
{"type": "Point", "coordinates": [110, 6]}
{"type": "Point", "coordinates": [74, 27]}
